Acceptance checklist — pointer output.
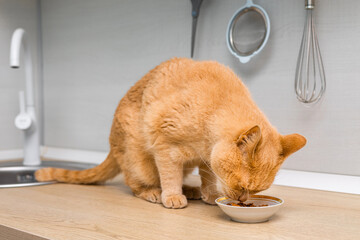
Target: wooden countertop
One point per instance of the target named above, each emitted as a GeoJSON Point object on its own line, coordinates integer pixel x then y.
{"type": "Point", "coordinates": [62, 211]}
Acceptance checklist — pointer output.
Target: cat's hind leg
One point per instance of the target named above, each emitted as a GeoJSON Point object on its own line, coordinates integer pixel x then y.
{"type": "Point", "coordinates": [151, 194]}
{"type": "Point", "coordinates": [191, 192]}
{"type": "Point", "coordinates": [141, 175]}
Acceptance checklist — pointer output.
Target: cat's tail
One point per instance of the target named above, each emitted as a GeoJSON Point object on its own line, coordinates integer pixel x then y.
{"type": "Point", "coordinates": [99, 174]}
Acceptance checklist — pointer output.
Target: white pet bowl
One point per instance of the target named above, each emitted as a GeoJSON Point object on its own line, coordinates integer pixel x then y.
{"type": "Point", "coordinates": [251, 214]}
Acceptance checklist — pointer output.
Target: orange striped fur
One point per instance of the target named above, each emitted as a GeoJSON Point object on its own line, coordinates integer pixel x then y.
{"type": "Point", "coordinates": [185, 114]}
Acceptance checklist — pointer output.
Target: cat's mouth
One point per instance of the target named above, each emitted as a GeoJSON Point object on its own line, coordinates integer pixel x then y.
{"type": "Point", "coordinates": [241, 196]}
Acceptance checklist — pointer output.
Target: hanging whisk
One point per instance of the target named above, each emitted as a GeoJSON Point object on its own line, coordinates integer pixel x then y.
{"type": "Point", "coordinates": [310, 83]}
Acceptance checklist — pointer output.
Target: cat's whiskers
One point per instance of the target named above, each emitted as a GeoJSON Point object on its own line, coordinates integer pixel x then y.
{"type": "Point", "coordinates": [232, 192]}
{"type": "Point", "coordinates": [219, 178]}
{"type": "Point", "coordinates": [212, 183]}
{"type": "Point", "coordinates": [208, 179]}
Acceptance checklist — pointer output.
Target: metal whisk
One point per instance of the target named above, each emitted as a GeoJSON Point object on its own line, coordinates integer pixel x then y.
{"type": "Point", "coordinates": [310, 83]}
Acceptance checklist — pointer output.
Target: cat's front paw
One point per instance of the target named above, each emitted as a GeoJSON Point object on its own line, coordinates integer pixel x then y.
{"type": "Point", "coordinates": [174, 201]}
{"type": "Point", "coordinates": [210, 197]}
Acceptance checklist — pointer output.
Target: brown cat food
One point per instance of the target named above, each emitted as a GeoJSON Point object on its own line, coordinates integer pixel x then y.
{"type": "Point", "coordinates": [240, 204]}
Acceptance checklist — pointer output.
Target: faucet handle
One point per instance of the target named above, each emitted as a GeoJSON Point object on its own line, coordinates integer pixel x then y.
{"type": "Point", "coordinates": [23, 120]}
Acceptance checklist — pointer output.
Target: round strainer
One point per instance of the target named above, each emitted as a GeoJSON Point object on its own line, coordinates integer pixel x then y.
{"type": "Point", "coordinates": [248, 31]}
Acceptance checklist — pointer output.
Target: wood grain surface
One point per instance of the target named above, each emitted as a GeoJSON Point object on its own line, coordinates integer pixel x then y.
{"type": "Point", "coordinates": [62, 211]}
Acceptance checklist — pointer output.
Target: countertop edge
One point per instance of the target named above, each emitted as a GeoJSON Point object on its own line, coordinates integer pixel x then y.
{"type": "Point", "coordinates": [9, 233]}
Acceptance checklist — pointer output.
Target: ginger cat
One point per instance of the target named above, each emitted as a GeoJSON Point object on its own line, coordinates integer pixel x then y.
{"type": "Point", "coordinates": [180, 115]}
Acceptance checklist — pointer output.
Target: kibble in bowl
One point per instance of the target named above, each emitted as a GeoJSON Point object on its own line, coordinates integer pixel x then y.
{"type": "Point", "coordinates": [258, 208]}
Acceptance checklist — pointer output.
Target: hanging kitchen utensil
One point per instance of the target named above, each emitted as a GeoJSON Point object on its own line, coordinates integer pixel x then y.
{"type": "Point", "coordinates": [248, 31]}
{"type": "Point", "coordinates": [310, 81]}
{"type": "Point", "coordinates": [195, 13]}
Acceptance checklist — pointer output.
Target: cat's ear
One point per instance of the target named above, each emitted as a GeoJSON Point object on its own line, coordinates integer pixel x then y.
{"type": "Point", "coordinates": [248, 141]}
{"type": "Point", "coordinates": [292, 143]}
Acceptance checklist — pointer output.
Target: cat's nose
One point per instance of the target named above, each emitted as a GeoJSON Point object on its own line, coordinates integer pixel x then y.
{"type": "Point", "coordinates": [244, 196]}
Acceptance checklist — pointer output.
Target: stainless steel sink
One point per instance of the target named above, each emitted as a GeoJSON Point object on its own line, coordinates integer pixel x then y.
{"type": "Point", "coordinates": [14, 174]}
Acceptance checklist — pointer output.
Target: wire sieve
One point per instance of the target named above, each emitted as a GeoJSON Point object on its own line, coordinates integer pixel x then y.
{"type": "Point", "coordinates": [248, 31]}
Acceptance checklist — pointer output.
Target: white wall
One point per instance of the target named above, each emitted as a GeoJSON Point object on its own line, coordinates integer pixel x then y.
{"type": "Point", "coordinates": [95, 50]}
{"type": "Point", "coordinates": [14, 14]}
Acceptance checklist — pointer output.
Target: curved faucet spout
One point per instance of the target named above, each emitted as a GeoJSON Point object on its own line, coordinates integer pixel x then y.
{"type": "Point", "coordinates": [26, 120]}
{"type": "Point", "coordinates": [16, 40]}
